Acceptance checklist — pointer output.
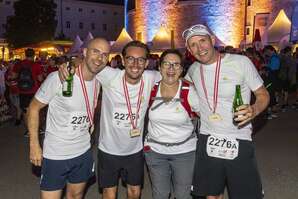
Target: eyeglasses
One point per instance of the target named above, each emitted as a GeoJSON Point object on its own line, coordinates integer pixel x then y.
{"type": "Point", "coordinates": [97, 52]}
{"type": "Point", "coordinates": [199, 29]}
{"type": "Point", "coordinates": [167, 65]}
{"type": "Point", "coordinates": [140, 60]}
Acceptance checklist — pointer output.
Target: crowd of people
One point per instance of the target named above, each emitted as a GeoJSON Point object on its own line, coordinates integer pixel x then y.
{"type": "Point", "coordinates": [149, 114]}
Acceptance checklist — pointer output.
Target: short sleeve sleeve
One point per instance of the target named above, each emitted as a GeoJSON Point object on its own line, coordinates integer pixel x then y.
{"type": "Point", "coordinates": [193, 99]}
{"type": "Point", "coordinates": [49, 88]}
{"type": "Point", "coordinates": [251, 75]}
{"type": "Point", "coordinates": [107, 74]}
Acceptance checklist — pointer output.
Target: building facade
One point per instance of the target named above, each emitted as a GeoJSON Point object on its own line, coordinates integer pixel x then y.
{"type": "Point", "coordinates": [76, 17]}
{"type": "Point", "coordinates": [232, 21]}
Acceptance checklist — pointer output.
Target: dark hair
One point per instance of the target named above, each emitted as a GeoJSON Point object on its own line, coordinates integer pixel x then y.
{"type": "Point", "coordinates": [287, 49]}
{"type": "Point", "coordinates": [270, 47]}
{"type": "Point", "coordinates": [29, 52]}
{"type": "Point", "coordinates": [170, 51]}
{"type": "Point", "coordinates": [136, 44]}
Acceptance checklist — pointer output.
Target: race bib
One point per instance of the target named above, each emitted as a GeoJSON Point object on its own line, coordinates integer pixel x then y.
{"type": "Point", "coordinates": [222, 147]}
{"type": "Point", "coordinates": [121, 118]}
{"type": "Point", "coordinates": [78, 121]}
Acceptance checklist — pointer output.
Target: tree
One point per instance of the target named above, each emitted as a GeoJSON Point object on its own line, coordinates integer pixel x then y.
{"type": "Point", "coordinates": [34, 21]}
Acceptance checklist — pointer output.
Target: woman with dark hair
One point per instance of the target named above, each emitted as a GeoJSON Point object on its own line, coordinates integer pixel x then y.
{"type": "Point", "coordinates": [171, 140]}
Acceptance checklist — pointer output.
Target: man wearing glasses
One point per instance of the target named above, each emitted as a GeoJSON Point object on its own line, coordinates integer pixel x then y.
{"type": "Point", "coordinates": [225, 153]}
{"type": "Point", "coordinates": [125, 97]}
{"type": "Point", "coordinates": [66, 158]}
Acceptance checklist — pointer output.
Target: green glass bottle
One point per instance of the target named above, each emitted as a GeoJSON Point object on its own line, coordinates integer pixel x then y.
{"type": "Point", "coordinates": [237, 100]}
{"type": "Point", "coordinates": [67, 85]}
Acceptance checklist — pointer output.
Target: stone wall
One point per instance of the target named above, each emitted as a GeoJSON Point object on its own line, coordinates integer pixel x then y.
{"type": "Point", "coordinates": [226, 18]}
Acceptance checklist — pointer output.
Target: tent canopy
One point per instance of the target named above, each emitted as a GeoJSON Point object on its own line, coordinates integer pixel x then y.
{"type": "Point", "coordinates": [162, 40]}
{"type": "Point", "coordinates": [87, 39]}
{"type": "Point", "coordinates": [76, 47]}
{"type": "Point", "coordinates": [279, 28]}
{"type": "Point", "coordinates": [121, 41]}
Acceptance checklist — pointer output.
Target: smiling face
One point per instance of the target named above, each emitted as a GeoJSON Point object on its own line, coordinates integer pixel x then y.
{"type": "Point", "coordinates": [135, 62]}
{"type": "Point", "coordinates": [170, 68]}
{"type": "Point", "coordinates": [96, 55]}
{"type": "Point", "coordinates": [202, 48]}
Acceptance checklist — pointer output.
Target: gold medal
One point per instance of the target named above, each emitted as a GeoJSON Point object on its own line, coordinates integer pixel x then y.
{"type": "Point", "coordinates": [215, 117]}
{"type": "Point", "coordinates": [135, 132]}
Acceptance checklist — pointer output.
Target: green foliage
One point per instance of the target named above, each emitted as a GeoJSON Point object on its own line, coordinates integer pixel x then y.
{"type": "Point", "coordinates": [34, 21]}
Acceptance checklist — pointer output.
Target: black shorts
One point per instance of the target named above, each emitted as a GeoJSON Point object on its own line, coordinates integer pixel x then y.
{"type": "Point", "coordinates": [240, 175]}
{"type": "Point", "coordinates": [25, 100]}
{"type": "Point", "coordinates": [129, 168]}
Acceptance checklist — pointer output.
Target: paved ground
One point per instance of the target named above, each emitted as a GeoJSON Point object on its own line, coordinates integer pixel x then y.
{"type": "Point", "coordinates": [277, 152]}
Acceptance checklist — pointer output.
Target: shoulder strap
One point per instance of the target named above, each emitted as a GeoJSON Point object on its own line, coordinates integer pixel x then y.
{"type": "Point", "coordinates": [153, 94]}
{"type": "Point", "coordinates": [184, 98]}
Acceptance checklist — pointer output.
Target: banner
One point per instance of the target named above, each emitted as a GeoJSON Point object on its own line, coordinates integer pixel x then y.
{"type": "Point", "coordinates": [294, 26]}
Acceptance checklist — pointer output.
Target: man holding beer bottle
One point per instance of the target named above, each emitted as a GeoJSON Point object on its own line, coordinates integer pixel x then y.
{"type": "Point", "coordinates": [225, 155]}
{"type": "Point", "coordinates": [66, 158]}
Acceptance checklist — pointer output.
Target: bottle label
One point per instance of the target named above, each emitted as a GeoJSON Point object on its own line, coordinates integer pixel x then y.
{"type": "Point", "coordinates": [222, 147]}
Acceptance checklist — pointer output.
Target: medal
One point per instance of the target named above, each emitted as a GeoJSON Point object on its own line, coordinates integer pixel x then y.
{"type": "Point", "coordinates": [134, 132]}
{"type": "Point", "coordinates": [214, 117]}
{"type": "Point", "coordinates": [86, 98]}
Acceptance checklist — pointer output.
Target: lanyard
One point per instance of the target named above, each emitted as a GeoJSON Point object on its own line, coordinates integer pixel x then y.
{"type": "Point", "coordinates": [90, 114]}
{"type": "Point", "coordinates": [216, 81]}
{"type": "Point", "coordinates": [133, 123]}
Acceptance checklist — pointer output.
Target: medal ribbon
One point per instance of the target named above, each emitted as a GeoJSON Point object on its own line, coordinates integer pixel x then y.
{"type": "Point", "coordinates": [90, 114]}
{"type": "Point", "coordinates": [216, 82]}
{"type": "Point", "coordinates": [133, 123]}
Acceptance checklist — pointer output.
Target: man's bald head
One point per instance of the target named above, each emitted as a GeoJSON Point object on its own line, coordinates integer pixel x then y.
{"type": "Point", "coordinates": [99, 41]}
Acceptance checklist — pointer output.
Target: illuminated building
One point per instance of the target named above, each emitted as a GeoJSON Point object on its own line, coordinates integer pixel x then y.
{"type": "Point", "coordinates": [232, 21]}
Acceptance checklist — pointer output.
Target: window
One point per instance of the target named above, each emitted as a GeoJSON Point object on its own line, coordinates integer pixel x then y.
{"type": "Point", "coordinates": [92, 26]}
{"type": "Point", "coordinates": [247, 31]}
{"type": "Point", "coordinates": [68, 24]}
{"type": "Point", "coordinates": [81, 25]}
{"type": "Point", "coordinates": [248, 2]}
{"type": "Point", "coordinates": [80, 9]}
{"type": "Point", "coordinates": [92, 11]}
{"type": "Point", "coordinates": [115, 13]}
{"type": "Point", "coordinates": [104, 12]}
{"type": "Point", "coordinates": [104, 27]}
{"type": "Point", "coordinates": [7, 2]}
{"type": "Point", "coordinates": [3, 25]}
{"type": "Point", "coordinates": [67, 8]}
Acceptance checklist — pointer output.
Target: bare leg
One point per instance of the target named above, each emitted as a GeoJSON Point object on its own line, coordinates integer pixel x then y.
{"type": "Point", "coordinates": [133, 192]}
{"type": "Point", "coordinates": [221, 196]}
{"type": "Point", "coordinates": [51, 194]}
{"type": "Point", "coordinates": [75, 191]}
{"type": "Point", "coordinates": [109, 193]}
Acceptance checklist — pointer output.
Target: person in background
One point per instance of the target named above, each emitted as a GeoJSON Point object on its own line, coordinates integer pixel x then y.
{"type": "Point", "coordinates": [29, 75]}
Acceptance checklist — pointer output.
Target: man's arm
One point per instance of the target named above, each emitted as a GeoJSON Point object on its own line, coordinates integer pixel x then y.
{"type": "Point", "coordinates": [249, 112]}
{"type": "Point", "coordinates": [33, 123]}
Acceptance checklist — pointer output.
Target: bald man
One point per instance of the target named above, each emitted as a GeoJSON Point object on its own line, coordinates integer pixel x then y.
{"type": "Point", "coordinates": [66, 158]}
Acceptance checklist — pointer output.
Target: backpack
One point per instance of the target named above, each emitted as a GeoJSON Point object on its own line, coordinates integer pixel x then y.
{"type": "Point", "coordinates": [25, 78]}
{"type": "Point", "coordinates": [183, 96]}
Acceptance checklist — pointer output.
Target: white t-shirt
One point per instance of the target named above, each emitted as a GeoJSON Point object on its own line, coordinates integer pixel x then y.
{"type": "Point", "coordinates": [235, 69]}
{"type": "Point", "coordinates": [115, 124]}
{"type": "Point", "coordinates": [67, 126]}
{"type": "Point", "coordinates": [170, 123]}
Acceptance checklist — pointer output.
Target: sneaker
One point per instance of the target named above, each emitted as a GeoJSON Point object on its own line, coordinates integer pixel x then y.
{"type": "Point", "coordinates": [269, 117]}
{"type": "Point", "coordinates": [274, 115]}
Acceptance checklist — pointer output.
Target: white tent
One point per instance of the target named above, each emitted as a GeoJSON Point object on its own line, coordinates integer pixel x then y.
{"type": "Point", "coordinates": [121, 41]}
{"type": "Point", "coordinates": [75, 49]}
{"type": "Point", "coordinates": [279, 28]}
{"type": "Point", "coordinates": [161, 41]}
{"type": "Point", "coordinates": [87, 39]}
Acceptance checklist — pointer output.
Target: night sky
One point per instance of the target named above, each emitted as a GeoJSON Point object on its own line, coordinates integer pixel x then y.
{"type": "Point", "coordinates": [116, 2]}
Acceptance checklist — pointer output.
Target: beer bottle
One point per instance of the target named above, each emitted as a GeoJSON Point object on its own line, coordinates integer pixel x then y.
{"type": "Point", "coordinates": [67, 85]}
{"type": "Point", "coordinates": [237, 100]}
